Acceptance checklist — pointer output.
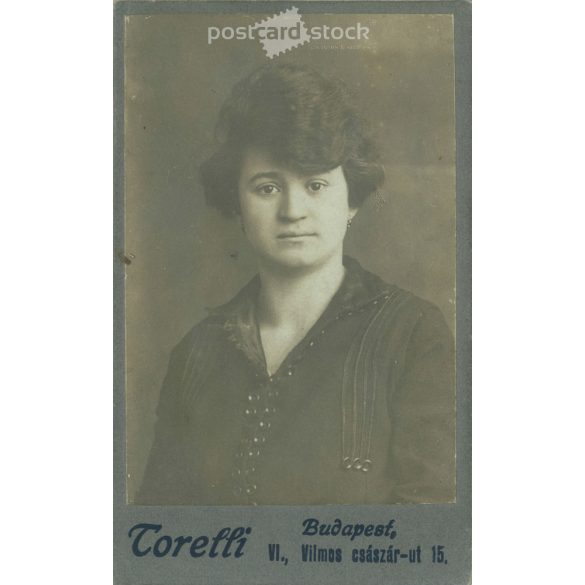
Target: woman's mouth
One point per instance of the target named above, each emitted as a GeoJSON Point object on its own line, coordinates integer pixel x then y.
{"type": "Point", "coordinates": [296, 235]}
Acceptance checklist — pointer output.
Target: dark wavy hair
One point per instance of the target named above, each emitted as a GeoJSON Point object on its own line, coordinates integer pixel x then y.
{"type": "Point", "coordinates": [306, 121]}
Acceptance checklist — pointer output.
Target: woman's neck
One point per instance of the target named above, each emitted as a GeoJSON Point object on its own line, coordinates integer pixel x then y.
{"type": "Point", "coordinates": [297, 301]}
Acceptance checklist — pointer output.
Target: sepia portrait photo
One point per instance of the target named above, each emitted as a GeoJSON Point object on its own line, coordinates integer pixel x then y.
{"type": "Point", "coordinates": [289, 256]}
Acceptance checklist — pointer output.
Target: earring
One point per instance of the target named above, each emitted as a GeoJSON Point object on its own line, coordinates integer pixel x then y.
{"type": "Point", "coordinates": [349, 223]}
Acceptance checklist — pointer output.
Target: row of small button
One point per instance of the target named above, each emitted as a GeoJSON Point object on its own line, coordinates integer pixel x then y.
{"type": "Point", "coordinates": [358, 464]}
{"type": "Point", "coordinates": [260, 407]}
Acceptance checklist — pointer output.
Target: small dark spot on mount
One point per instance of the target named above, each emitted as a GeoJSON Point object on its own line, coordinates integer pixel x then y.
{"type": "Point", "coordinates": [127, 259]}
{"type": "Point", "coordinates": [144, 127]}
{"type": "Point", "coordinates": [440, 158]}
{"type": "Point", "coordinates": [234, 255]}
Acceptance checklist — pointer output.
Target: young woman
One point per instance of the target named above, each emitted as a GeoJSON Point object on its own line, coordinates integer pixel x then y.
{"type": "Point", "coordinates": [318, 383]}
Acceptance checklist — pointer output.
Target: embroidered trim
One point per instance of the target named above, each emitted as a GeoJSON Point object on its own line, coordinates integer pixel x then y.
{"type": "Point", "coordinates": [359, 388]}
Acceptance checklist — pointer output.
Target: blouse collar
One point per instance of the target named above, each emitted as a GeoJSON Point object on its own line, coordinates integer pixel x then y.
{"type": "Point", "coordinates": [358, 288]}
{"type": "Point", "coordinates": [237, 317]}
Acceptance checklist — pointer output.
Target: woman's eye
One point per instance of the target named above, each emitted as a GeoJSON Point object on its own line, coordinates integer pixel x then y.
{"type": "Point", "coordinates": [316, 186]}
{"type": "Point", "coordinates": [267, 189]}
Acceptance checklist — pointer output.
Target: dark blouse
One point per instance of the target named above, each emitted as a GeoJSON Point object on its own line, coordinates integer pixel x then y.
{"type": "Point", "coordinates": [361, 411]}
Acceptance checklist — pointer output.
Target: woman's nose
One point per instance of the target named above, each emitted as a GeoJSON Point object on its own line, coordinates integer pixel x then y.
{"type": "Point", "coordinates": [293, 204]}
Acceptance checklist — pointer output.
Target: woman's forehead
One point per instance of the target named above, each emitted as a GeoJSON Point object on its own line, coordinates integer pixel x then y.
{"type": "Point", "coordinates": [258, 161]}
{"type": "Point", "coordinates": [257, 157]}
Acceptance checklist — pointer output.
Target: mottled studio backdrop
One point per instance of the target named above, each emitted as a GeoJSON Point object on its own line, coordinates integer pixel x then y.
{"type": "Point", "coordinates": [185, 257]}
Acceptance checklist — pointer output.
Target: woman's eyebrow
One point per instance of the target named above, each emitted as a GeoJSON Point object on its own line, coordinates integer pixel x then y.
{"type": "Point", "coordinates": [264, 175]}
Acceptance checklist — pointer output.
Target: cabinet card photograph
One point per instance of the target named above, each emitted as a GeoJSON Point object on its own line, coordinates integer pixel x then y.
{"type": "Point", "coordinates": [287, 253]}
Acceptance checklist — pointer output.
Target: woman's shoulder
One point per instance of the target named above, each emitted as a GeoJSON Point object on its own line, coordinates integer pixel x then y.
{"type": "Point", "coordinates": [211, 331]}
{"type": "Point", "coordinates": [418, 325]}
{"type": "Point", "coordinates": [204, 332]}
{"type": "Point", "coordinates": [391, 299]}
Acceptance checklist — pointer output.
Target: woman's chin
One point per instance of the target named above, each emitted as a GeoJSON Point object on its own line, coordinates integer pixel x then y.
{"type": "Point", "coordinates": [295, 260]}
{"type": "Point", "coordinates": [292, 263]}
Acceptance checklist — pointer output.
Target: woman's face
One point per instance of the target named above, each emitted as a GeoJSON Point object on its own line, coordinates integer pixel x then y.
{"type": "Point", "coordinates": [291, 220]}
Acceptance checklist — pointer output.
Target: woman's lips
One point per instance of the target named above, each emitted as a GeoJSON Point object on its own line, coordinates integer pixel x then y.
{"type": "Point", "coordinates": [294, 235]}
